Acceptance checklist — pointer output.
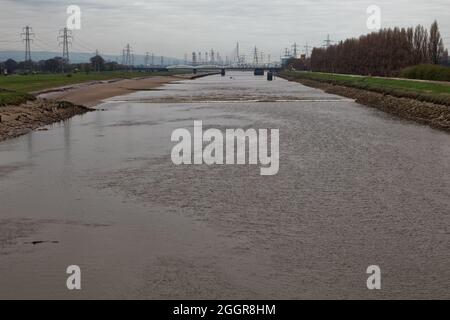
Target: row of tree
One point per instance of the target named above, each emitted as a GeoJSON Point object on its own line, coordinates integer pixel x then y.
{"type": "Point", "coordinates": [57, 64]}
{"type": "Point", "coordinates": [382, 53]}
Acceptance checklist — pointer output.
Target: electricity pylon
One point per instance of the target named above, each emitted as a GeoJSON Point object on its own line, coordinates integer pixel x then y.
{"type": "Point", "coordinates": [27, 35]}
{"type": "Point", "coordinates": [65, 39]}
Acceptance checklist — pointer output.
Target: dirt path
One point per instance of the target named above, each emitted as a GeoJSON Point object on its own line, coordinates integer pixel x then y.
{"type": "Point", "coordinates": [447, 83]}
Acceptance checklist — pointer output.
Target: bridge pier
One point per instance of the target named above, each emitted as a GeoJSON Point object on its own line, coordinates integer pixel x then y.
{"type": "Point", "coordinates": [259, 72]}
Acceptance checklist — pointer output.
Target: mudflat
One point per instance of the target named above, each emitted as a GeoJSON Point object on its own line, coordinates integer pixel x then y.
{"type": "Point", "coordinates": [59, 104]}
{"type": "Point", "coordinates": [93, 93]}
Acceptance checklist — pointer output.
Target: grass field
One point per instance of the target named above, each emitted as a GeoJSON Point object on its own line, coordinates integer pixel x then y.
{"type": "Point", "coordinates": [14, 97]}
{"type": "Point", "coordinates": [423, 91]}
{"type": "Point", "coordinates": [16, 89]}
{"type": "Point", "coordinates": [30, 83]}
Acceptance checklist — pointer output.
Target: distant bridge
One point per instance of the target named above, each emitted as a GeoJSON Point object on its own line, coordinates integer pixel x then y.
{"type": "Point", "coordinates": [206, 67]}
{"type": "Point", "coordinates": [220, 67]}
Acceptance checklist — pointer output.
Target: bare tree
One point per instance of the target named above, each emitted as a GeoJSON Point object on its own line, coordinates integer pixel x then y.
{"type": "Point", "coordinates": [436, 44]}
{"type": "Point", "coordinates": [381, 53]}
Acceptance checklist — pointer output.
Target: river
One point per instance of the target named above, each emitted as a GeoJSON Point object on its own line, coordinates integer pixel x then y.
{"type": "Point", "coordinates": [356, 187]}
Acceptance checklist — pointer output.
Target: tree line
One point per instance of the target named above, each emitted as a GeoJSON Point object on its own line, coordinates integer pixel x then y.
{"type": "Point", "coordinates": [57, 64]}
{"type": "Point", "coordinates": [382, 53]}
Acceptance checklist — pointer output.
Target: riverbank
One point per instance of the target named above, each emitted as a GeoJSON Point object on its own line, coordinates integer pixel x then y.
{"type": "Point", "coordinates": [61, 103]}
{"type": "Point", "coordinates": [19, 120]}
{"type": "Point", "coordinates": [426, 103]}
{"type": "Point", "coordinates": [39, 82]}
{"type": "Point", "coordinates": [93, 93]}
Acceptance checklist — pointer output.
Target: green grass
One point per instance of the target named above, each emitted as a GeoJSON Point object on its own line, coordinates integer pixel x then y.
{"type": "Point", "coordinates": [16, 89]}
{"type": "Point", "coordinates": [429, 92]}
{"type": "Point", "coordinates": [30, 83]}
{"type": "Point", "coordinates": [14, 97]}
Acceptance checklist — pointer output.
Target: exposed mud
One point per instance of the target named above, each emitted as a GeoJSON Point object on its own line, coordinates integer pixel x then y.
{"type": "Point", "coordinates": [19, 120]}
{"type": "Point", "coordinates": [62, 103]}
{"type": "Point", "coordinates": [93, 93]}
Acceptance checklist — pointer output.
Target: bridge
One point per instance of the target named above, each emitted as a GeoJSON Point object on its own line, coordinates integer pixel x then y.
{"type": "Point", "coordinates": [208, 67]}
{"type": "Point", "coordinates": [220, 67]}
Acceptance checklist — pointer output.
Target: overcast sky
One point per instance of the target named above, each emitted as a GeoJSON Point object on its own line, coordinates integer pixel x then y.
{"type": "Point", "coordinates": [176, 27]}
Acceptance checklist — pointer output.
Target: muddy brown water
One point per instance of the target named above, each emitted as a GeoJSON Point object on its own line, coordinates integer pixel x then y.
{"type": "Point", "coordinates": [356, 188]}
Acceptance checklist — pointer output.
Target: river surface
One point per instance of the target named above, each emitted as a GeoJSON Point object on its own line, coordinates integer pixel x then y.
{"type": "Point", "coordinates": [356, 187]}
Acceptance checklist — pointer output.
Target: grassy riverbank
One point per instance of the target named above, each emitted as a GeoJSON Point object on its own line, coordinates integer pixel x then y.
{"type": "Point", "coordinates": [422, 102]}
{"type": "Point", "coordinates": [422, 91]}
{"type": "Point", "coordinates": [14, 98]}
{"type": "Point", "coordinates": [16, 89]}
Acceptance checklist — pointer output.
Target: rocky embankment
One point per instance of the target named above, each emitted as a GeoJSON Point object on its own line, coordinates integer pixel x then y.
{"type": "Point", "coordinates": [19, 120]}
{"type": "Point", "coordinates": [434, 115]}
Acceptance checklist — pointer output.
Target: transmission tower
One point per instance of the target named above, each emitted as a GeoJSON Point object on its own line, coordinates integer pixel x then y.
{"type": "Point", "coordinates": [128, 56]}
{"type": "Point", "coordinates": [147, 59]}
{"type": "Point", "coordinates": [307, 50]}
{"type": "Point", "coordinates": [153, 59]}
{"type": "Point", "coordinates": [212, 56]}
{"type": "Point", "coordinates": [162, 61]}
{"type": "Point", "coordinates": [27, 35]}
{"type": "Point", "coordinates": [96, 61]}
{"type": "Point", "coordinates": [255, 56]}
{"type": "Point", "coordinates": [328, 41]}
{"type": "Point", "coordinates": [295, 50]}
{"type": "Point", "coordinates": [65, 39]}
{"type": "Point", "coordinates": [194, 59]}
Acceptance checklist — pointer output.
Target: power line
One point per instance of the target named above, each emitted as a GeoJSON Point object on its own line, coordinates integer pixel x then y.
{"type": "Point", "coordinates": [44, 43]}
{"type": "Point", "coordinates": [82, 47]}
{"type": "Point", "coordinates": [85, 45]}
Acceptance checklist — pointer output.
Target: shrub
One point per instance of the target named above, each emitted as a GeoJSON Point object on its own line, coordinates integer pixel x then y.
{"type": "Point", "coordinates": [427, 72]}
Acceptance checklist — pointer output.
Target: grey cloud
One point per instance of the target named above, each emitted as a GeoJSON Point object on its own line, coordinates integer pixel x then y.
{"type": "Point", "coordinates": [175, 27]}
